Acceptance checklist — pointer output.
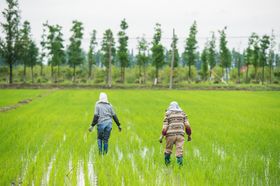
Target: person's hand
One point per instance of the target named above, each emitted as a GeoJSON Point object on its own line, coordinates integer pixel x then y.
{"type": "Point", "coordinates": [189, 138]}
{"type": "Point", "coordinates": [90, 128]}
{"type": "Point", "coordinates": [160, 139]}
{"type": "Point", "coordinates": [119, 127]}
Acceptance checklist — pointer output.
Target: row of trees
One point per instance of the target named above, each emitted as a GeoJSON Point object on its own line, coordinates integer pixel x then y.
{"type": "Point", "coordinates": [18, 47]}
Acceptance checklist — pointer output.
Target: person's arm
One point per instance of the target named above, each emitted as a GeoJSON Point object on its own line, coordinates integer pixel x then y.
{"type": "Point", "coordinates": [117, 122]}
{"type": "Point", "coordinates": [95, 118]}
{"type": "Point", "coordinates": [165, 125]}
{"type": "Point", "coordinates": [116, 119]}
{"type": "Point", "coordinates": [188, 128]}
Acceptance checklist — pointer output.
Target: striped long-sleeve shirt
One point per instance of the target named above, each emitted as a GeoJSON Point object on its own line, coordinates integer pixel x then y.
{"type": "Point", "coordinates": [175, 122]}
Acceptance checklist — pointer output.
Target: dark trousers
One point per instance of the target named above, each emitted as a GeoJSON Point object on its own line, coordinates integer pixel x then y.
{"type": "Point", "coordinates": [104, 131]}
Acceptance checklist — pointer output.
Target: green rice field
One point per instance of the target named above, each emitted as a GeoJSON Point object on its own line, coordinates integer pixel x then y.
{"type": "Point", "coordinates": [235, 140]}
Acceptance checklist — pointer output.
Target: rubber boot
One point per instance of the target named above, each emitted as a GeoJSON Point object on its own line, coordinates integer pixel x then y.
{"type": "Point", "coordinates": [99, 142]}
{"type": "Point", "coordinates": [105, 148]}
{"type": "Point", "coordinates": [167, 158]}
{"type": "Point", "coordinates": [180, 160]}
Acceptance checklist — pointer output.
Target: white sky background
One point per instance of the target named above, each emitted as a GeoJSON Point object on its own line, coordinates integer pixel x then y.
{"type": "Point", "coordinates": [242, 17]}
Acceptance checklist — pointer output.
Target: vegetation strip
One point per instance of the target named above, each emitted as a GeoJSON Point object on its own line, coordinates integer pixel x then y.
{"type": "Point", "coordinates": [20, 103]}
{"type": "Point", "coordinates": [136, 86]}
{"type": "Point", "coordinates": [11, 107]}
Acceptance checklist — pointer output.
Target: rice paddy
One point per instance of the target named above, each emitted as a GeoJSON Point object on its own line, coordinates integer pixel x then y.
{"type": "Point", "coordinates": [235, 138]}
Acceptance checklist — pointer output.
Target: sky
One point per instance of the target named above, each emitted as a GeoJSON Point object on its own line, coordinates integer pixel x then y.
{"type": "Point", "coordinates": [241, 17]}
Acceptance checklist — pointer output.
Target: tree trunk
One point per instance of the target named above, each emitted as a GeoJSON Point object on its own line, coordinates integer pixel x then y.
{"type": "Point", "coordinates": [262, 74]}
{"type": "Point", "coordinates": [156, 79]}
{"type": "Point", "coordinates": [41, 70]}
{"type": "Point", "coordinates": [144, 78]}
{"type": "Point", "coordinates": [210, 74]}
{"type": "Point", "coordinates": [223, 73]}
{"type": "Point", "coordinates": [171, 77]}
{"type": "Point", "coordinates": [190, 72]}
{"type": "Point", "coordinates": [256, 72]}
{"type": "Point", "coordinates": [140, 76]}
{"type": "Point", "coordinates": [270, 74]}
{"type": "Point", "coordinates": [238, 72]}
{"type": "Point", "coordinates": [11, 73]}
{"type": "Point", "coordinates": [247, 72]}
{"type": "Point", "coordinates": [32, 77]}
{"type": "Point", "coordinates": [107, 76]}
{"type": "Point", "coordinates": [58, 71]}
{"type": "Point", "coordinates": [122, 72]}
{"type": "Point", "coordinates": [89, 71]}
{"type": "Point", "coordinates": [52, 72]}
{"type": "Point", "coordinates": [226, 74]}
{"type": "Point", "coordinates": [74, 73]}
{"type": "Point", "coordinates": [24, 73]}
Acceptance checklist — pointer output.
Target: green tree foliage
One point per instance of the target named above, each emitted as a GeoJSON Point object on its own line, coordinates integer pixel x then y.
{"type": "Point", "coordinates": [142, 58]}
{"type": "Point", "coordinates": [176, 52]}
{"type": "Point", "coordinates": [55, 47]}
{"type": "Point", "coordinates": [173, 58]}
{"type": "Point", "coordinates": [254, 41]}
{"type": "Point", "coordinates": [33, 57]}
{"type": "Point", "coordinates": [265, 41]}
{"type": "Point", "coordinates": [237, 59]}
{"type": "Point", "coordinates": [108, 53]}
{"type": "Point", "coordinates": [43, 43]}
{"type": "Point", "coordinates": [190, 48]}
{"type": "Point", "coordinates": [28, 51]}
{"type": "Point", "coordinates": [249, 56]}
{"type": "Point", "coordinates": [122, 52]}
{"type": "Point", "coordinates": [157, 51]}
{"type": "Point", "coordinates": [205, 60]}
{"type": "Point", "coordinates": [225, 56]}
{"type": "Point", "coordinates": [271, 55]}
{"type": "Point", "coordinates": [212, 53]}
{"type": "Point", "coordinates": [277, 60]}
{"type": "Point", "coordinates": [9, 47]}
{"type": "Point", "coordinates": [75, 53]}
{"type": "Point", "coordinates": [25, 41]}
{"type": "Point", "coordinates": [91, 53]}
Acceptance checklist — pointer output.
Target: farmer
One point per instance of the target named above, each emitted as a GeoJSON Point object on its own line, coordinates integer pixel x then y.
{"type": "Point", "coordinates": [175, 125]}
{"type": "Point", "coordinates": [103, 115]}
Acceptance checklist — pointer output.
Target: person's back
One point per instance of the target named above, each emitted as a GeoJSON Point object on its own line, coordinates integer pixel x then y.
{"type": "Point", "coordinates": [104, 111]}
{"type": "Point", "coordinates": [103, 114]}
{"type": "Point", "coordinates": [175, 124]}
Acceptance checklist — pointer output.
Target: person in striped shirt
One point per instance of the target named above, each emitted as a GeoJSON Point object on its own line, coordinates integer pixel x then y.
{"type": "Point", "coordinates": [175, 124]}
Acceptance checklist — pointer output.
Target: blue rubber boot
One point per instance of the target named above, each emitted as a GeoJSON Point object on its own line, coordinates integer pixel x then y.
{"type": "Point", "coordinates": [99, 142]}
{"type": "Point", "coordinates": [167, 159]}
{"type": "Point", "coordinates": [105, 148]}
{"type": "Point", "coordinates": [180, 161]}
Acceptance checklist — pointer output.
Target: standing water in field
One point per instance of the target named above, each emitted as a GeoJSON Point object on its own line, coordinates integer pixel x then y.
{"type": "Point", "coordinates": [46, 178]}
{"type": "Point", "coordinates": [144, 152]}
{"type": "Point", "coordinates": [91, 174]}
{"type": "Point", "coordinates": [80, 174]}
{"type": "Point", "coordinates": [119, 152]}
{"type": "Point", "coordinates": [219, 151]}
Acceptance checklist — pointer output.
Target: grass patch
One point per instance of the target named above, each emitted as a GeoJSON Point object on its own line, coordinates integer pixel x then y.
{"type": "Point", "coordinates": [235, 139]}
